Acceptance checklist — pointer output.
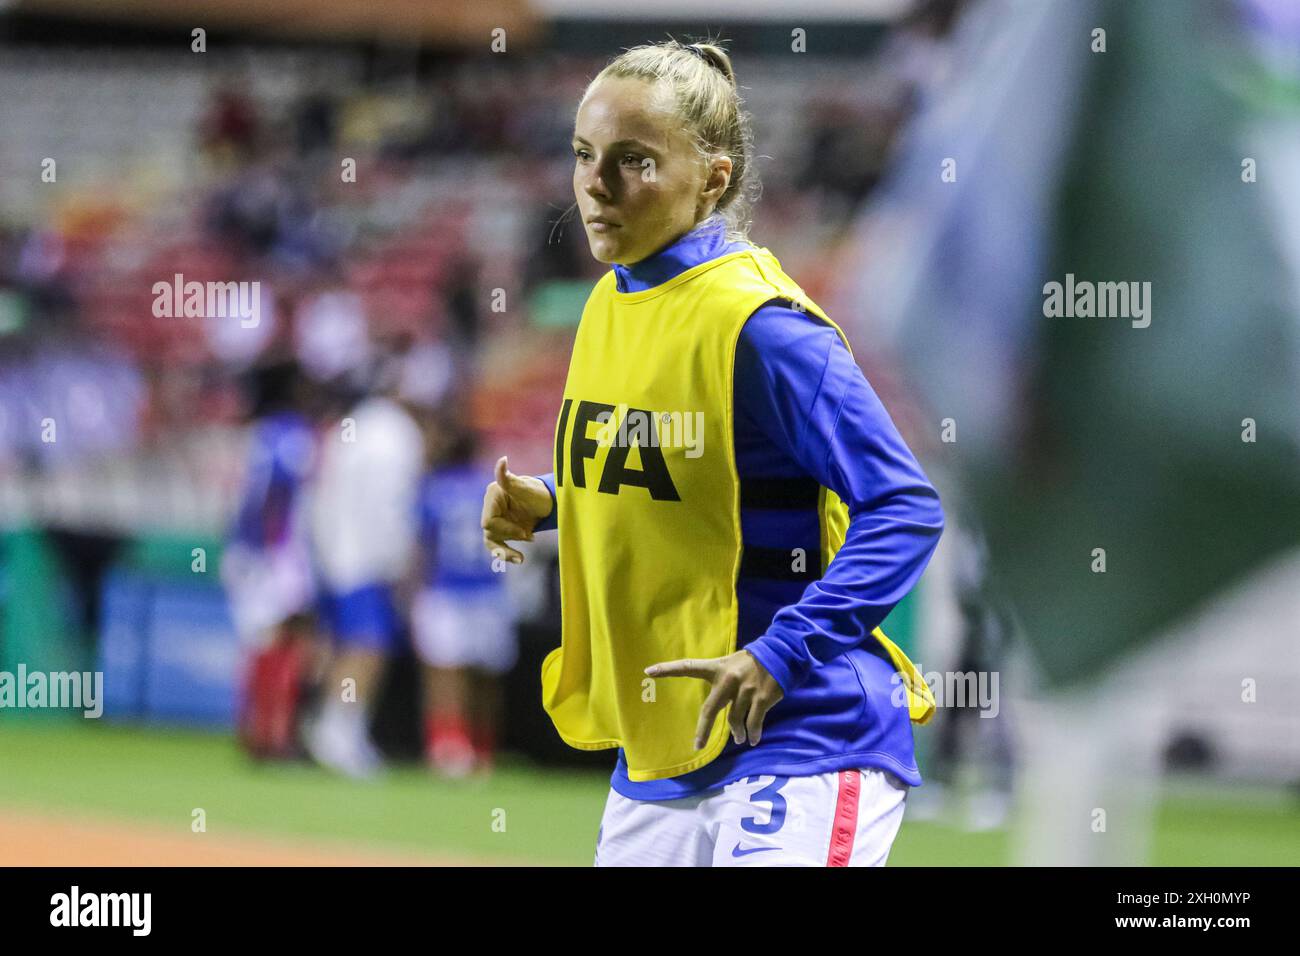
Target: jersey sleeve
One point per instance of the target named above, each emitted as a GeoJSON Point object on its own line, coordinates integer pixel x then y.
{"type": "Point", "coordinates": [797, 382]}
{"type": "Point", "coordinates": [551, 521]}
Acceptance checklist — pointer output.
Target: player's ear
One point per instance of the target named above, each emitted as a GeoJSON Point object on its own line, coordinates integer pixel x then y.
{"type": "Point", "coordinates": [717, 179]}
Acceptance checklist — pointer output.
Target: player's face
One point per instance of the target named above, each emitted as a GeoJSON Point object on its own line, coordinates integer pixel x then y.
{"type": "Point", "coordinates": [636, 168]}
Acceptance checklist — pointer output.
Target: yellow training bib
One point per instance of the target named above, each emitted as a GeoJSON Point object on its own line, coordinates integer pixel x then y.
{"type": "Point", "coordinates": [648, 502]}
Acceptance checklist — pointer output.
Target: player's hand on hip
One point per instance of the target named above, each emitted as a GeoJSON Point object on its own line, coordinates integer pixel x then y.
{"type": "Point", "coordinates": [512, 506]}
{"type": "Point", "coordinates": [737, 679]}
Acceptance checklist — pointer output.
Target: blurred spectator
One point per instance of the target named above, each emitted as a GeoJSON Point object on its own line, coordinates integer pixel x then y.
{"type": "Point", "coordinates": [316, 122]}
{"type": "Point", "coordinates": [331, 337]}
{"type": "Point", "coordinates": [231, 124]}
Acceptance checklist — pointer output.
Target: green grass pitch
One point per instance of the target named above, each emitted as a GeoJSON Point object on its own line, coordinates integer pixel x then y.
{"type": "Point", "coordinates": [124, 773]}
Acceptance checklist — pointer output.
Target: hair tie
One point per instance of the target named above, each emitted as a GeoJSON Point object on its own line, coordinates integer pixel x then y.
{"type": "Point", "coordinates": [701, 54]}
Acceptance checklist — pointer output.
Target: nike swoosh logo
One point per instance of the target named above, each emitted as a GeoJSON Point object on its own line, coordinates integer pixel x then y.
{"type": "Point", "coordinates": [737, 851]}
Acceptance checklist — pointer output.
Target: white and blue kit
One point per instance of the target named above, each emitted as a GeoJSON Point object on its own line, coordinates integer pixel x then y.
{"type": "Point", "coordinates": [266, 564]}
{"type": "Point", "coordinates": [363, 537]}
{"type": "Point", "coordinates": [804, 416]}
{"type": "Point", "coordinates": [461, 617]}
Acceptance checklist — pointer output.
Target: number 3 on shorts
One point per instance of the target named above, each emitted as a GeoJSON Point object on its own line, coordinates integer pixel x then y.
{"type": "Point", "coordinates": [755, 833]}
{"type": "Point", "coordinates": [771, 795]}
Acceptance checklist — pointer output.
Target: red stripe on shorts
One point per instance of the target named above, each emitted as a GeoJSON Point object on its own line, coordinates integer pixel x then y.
{"type": "Point", "coordinates": [845, 824]}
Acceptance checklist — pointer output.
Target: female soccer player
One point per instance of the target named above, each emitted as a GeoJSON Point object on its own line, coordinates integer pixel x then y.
{"type": "Point", "coordinates": [716, 447]}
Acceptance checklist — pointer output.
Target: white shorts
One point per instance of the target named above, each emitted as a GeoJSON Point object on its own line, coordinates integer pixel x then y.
{"type": "Point", "coordinates": [454, 629]}
{"type": "Point", "coordinates": [265, 589]}
{"type": "Point", "coordinates": [841, 818]}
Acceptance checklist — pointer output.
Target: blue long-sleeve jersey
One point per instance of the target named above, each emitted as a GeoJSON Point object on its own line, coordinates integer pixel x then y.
{"type": "Point", "coordinates": [280, 457]}
{"type": "Point", "coordinates": [805, 411]}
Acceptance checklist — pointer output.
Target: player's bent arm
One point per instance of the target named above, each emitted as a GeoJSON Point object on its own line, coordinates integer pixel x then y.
{"type": "Point", "coordinates": [864, 582]}
{"type": "Point", "coordinates": [816, 405]}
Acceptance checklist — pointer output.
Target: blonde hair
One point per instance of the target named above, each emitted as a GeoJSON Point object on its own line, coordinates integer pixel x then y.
{"type": "Point", "coordinates": [707, 101]}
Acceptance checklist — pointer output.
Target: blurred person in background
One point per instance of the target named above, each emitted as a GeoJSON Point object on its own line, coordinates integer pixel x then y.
{"type": "Point", "coordinates": [362, 502]}
{"type": "Point", "coordinates": [461, 621]}
{"type": "Point", "coordinates": [266, 563]}
{"type": "Point", "coordinates": [332, 337]}
{"type": "Point", "coordinates": [231, 127]}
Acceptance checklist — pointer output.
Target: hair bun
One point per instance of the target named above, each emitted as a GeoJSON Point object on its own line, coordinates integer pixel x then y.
{"type": "Point", "coordinates": [716, 57]}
